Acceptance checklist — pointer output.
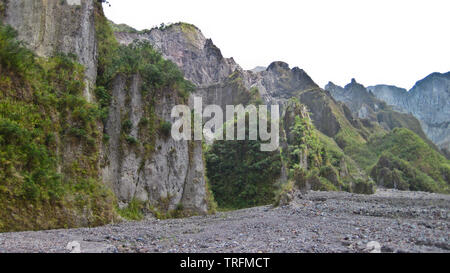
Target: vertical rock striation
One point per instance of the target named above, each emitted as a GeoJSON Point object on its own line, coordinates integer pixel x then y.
{"type": "Point", "coordinates": [168, 174]}
{"type": "Point", "coordinates": [52, 26]}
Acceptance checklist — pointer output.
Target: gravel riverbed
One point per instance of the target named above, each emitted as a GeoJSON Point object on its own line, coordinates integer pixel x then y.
{"type": "Point", "coordinates": [315, 222]}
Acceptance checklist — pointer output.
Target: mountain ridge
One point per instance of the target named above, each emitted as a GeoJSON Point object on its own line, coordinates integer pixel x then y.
{"type": "Point", "coordinates": [428, 101]}
{"type": "Point", "coordinates": [279, 83]}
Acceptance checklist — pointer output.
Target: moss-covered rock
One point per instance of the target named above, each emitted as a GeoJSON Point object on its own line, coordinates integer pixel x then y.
{"type": "Point", "coordinates": [49, 143]}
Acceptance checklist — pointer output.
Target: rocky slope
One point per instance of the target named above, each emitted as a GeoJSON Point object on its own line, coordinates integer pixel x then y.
{"type": "Point", "coordinates": [428, 101]}
{"type": "Point", "coordinates": [200, 60]}
{"type": "Point", "coordinates": [364, 105]}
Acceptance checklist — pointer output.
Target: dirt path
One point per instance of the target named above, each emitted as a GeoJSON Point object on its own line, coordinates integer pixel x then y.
{"type": "Point", "coordinates": [316, 222]}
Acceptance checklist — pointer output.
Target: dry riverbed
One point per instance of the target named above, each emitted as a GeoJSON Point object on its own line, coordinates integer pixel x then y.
{"type": "Point", "coordinates": [316, 222]}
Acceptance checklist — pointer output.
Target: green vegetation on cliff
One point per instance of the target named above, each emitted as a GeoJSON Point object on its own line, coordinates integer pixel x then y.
{"type": "Point", "coordinates": [48, 143]}
{"type": "Point", "coordinates": [2, 8]}
{"type": "Point", "coordinates": [398, 158]}
{"type": "Point", "coordinates": [314, 160]}
{"type": "Point", "coordinates": [389, 145]}
{"type": "Point", "coordinates": [241, 175]}
{"type": "Point", "coordinates": [139, 57]}
{"type": "Point", "coordinates": [51, 138]}
{"type": "Point", "coordinates": [376, 151]}
{"type": "Point", "coordinates": [123, 28]}
{"type": "Point", "coordinates": [158, 77]}
{"type": "Point", "coordinates": [407, 162]}
{"type": "Point", "coordinates": [158, 81]}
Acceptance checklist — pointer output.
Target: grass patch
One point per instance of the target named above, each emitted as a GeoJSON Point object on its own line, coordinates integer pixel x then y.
{"type": "Point", "coordinates": [134, 211]}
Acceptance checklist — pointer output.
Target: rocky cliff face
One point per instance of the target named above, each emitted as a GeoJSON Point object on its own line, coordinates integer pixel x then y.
{"type": "Point", "coordinates": [428, 101]}
{"type": "Point", "coordinates": [357, 98]}
{"type": "Point", "coordinates": [392, 95]}
{"type": "Point", "coordinates": [51, 176]}
{"type": "Point", "coordinates": [53, 26]}
{"type": "Point", "coordinates": [142, 163]}
{"type": "Point", "coordinates": [175, 171]}
{"type": "Point", "coordinates": [157, 169]}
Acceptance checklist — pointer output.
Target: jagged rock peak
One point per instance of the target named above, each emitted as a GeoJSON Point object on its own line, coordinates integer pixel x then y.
{"type": "Point", "coordinates": [278, 64]}
{"type": "Point", "coordinates": [295, 74]}
{"type": "Point", "coordinates": [354, 84]}
{"type": "Point", "coordinates": [331, 85]}
{"type": "Point", "coordinates": [360, 101]}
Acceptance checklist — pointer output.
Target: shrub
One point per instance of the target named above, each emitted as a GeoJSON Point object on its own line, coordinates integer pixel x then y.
{"type": "Point", "coordinates": [106, 138]}
{"type": "Point", "coordinates": [165, 128]}
{"type": "Point", "coordinates": [393, 172]}
{"type": "Point", "coordinates": [331, 175]}
{"type": "Point", "coordinates": [240, 175]}
{"type": "Point", "coordinates": [131, 140]}
{"type": "Point", "coordinates": [14, 57]}
{"type": "Point", "coordinates": [140, 58]}
{"type": "Point", "coordinates": [363, 187]}
{"type": "Point", "coordinates": [127, 126]}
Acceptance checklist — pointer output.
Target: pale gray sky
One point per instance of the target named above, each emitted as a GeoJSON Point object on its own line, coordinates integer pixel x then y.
{"type": "Point", "coordinates": [375, 41]}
